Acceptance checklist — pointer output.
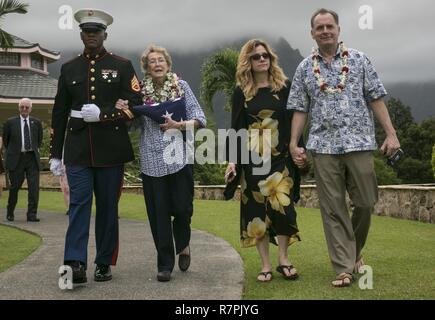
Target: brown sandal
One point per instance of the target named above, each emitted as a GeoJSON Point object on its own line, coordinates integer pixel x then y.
{"type": "Point", "coordinates": [343, 280]}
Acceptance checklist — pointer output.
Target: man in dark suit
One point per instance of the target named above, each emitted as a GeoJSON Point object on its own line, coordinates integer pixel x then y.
{"type": "Point", "coordinates": [22, 138]}
{"type": "Point", "coordinates": [94, 137]}
{"type": "Point", "coordinates": [2, 168]}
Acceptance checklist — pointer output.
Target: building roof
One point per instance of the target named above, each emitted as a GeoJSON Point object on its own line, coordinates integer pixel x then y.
{"type": "Point", "coordinates": [21, 43]}
{"type": "Point", "coordinates": [15, 83]}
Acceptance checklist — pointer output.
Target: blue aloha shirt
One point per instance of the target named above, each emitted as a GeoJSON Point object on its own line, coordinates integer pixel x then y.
{"type": "Point", "coordinates": [340, 122]}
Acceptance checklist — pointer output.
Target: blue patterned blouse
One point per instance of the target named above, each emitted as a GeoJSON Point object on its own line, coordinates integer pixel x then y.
{"type": "Point", "coordinates": [152, 144]}
{"type": "Point", "coordinates": [340, 122]}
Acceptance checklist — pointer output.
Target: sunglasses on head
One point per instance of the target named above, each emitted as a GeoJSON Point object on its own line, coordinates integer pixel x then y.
{"type": "Point", "coordinates": [258, 56]}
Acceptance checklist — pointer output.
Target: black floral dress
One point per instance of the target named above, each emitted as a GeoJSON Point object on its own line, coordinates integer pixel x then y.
{"type": "Point", "coordinates": [267, 200]}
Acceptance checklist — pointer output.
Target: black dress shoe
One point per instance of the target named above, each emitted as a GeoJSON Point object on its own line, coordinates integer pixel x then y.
{"type": "Point", "coordinates": [79, 272]}
{"type": "Point", "coordinates": [33, 219]}
{"type": "Point", "coordinates": [10, 217]}
{"type": "Point", "coordinates": [184, 261]}
{"type": "Point", "coordinates": [102, 273]}
{"type": "Point", "coordinates": [164, 276]}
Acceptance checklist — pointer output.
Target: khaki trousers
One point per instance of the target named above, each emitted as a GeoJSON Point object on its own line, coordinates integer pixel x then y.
{"type": "Point", "coordinates": [354, 172]}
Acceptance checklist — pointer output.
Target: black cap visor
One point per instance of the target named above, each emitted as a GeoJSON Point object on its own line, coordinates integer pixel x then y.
{"type": "Point", "coordinates": [92, 27]}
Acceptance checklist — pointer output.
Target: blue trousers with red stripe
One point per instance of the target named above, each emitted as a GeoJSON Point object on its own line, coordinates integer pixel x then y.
{"type": "Point", "coordinates": [106, 184]}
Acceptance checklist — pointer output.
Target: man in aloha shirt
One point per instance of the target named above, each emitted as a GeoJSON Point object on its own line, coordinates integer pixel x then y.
{"type": "Point", "coordinates": [339, 87]}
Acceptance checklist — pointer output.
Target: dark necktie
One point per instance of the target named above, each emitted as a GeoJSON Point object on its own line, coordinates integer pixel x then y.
{"type": "Point", "coordinates": [26, 136]}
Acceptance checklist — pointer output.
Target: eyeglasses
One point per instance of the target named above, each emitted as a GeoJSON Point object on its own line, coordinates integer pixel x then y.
{"type": "Point", "coordinates": [24, 107]}
{"type": "Point", "coordinates": [160, 61]}
{"type": "Point", "coordinates": [258, 56]}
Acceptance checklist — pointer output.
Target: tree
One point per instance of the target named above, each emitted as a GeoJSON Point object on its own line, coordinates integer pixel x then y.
{"type": "Point", "coordinates": [401, 118]}
{"type": "Point", "coordinates": [417, 144]}
{"type": "Point", "coordinates": [384, 174]}
{"type": "Point", "coordinates": [416, 140]}
{"type": "Point", "coordinates": [218, 74]}
{"type": "Point", "coordinates": [210, 174]}
{"type": "Point", "coordinates": [7, 7]}
{"type": "Point", "coordinates": [411, 170]}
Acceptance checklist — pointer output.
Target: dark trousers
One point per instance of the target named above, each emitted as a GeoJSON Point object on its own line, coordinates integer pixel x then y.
{"type": "Point", "coordinates": [27, 168]}
{"type": "Point", "coordinates": [106, 183]}
{"type": "Point", "coordinates": [167, 196]}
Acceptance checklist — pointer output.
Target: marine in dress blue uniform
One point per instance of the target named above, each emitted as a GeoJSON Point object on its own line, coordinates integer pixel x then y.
{"type": "Point", "coordinates": [91, 136]}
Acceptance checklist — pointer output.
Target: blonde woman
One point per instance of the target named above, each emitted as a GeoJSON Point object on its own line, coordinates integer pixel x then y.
{"type": "Point", "coordinates": [267, 202]}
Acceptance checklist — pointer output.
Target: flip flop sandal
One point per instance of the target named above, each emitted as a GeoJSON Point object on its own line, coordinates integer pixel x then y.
{"type": "Point", "coordinates": [265, 274]}
{"type": "Point", "coordinates": [291, 276]}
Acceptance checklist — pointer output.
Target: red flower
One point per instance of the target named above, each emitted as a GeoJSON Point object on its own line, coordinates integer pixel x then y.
{"type": "Point", "coordinates": [317, 70]}
{"type": "Point", "coordinates": [149, 101]}
{"type": "Point", "coordinates": [323, 86]}
{"type": "Point", "coordinates": [345, 54]}
{"type": "Point", "coordinates": [340, 86]}
{"type": "Point", "coordinates": [345, 69]}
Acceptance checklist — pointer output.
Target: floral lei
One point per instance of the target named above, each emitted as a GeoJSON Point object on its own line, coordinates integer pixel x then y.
{"type": "Point", "coordinates": [170, 90]}
{"type": "Point", "coordinates": [344, 54]}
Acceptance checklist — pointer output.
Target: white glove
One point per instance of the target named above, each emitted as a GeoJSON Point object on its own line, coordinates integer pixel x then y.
{"type": "Point", "coordinates": [91, 113]}
{"type": "Point", "coordinates": [56, 167]}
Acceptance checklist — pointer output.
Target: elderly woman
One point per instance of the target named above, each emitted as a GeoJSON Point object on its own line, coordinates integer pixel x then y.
{"type": "Point", "coordinates": [167, 180]}
{"type": "Point", "coordinates": [267, 212]}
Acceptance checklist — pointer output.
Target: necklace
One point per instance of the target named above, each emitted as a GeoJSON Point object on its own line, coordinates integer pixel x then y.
{"type": "Point", "coordinates": [344, 54]}
{"type": "Point", "coordinates": [170, 90]}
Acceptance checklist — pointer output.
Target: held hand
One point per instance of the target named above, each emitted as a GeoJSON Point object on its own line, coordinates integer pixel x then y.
{"type": "Point", "coordinates": [121, 104]}
{"type": "Point", "coordinates": [299, 156]}
{"type": "Point", "coordinates": [170, 124]}
{"type": "Point", "coordinates": [230, 172]}
{"type": "Point", "coordinates": [91, 113]}
{"type": "Point", "coordinates": [390, 145]}
{"type": "Point", "coordinates": [56, 167]}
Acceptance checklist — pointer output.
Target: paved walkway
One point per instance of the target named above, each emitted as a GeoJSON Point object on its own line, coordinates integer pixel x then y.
{"type": "Point", "coordinates": [216, 270]}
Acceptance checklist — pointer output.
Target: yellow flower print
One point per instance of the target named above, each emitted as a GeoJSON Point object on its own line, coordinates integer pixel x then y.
{"type": "Point", "coordinates": [265, 113]}
{"type": "Point", "coordinates": [257, 141]}
{"type": "Point", "coordinates": [276, 188]}
{"type": "Point", "coordinates": [256, 228]}
{"type": "Point", "coordinates": [246, 241]}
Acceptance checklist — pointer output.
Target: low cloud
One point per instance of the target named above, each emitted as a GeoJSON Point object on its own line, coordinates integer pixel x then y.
{"type": "Point", "coordinates": [399, 44]}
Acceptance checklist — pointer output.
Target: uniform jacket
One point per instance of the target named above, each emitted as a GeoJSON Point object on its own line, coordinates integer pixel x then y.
{"type": "Point", "coordinates": [13, 142]}
{"type": "Point", "coordinates": [102, 80]}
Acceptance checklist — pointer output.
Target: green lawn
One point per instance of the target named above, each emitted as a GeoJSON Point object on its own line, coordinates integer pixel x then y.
{"type": "Point", "coordinates": [400, 252]}
{"type": "Point", "coordinates": [15, 245]}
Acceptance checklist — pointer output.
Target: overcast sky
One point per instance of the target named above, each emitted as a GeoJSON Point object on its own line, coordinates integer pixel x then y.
{"type": "Point", "coordinates": [401, 43]}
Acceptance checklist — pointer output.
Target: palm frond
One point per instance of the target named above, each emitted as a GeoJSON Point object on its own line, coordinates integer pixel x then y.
{"type": "Point", "coordinates": [12, 6]}
{"type": "Point", "coordinates": [6, 40]}
{"type": "Point", "coordinates": [218, 74]}
{"type": "Point", "coordinates": [6, 7]}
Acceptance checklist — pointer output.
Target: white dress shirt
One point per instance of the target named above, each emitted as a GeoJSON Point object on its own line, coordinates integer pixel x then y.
{"type": "Point", "coordinates": [22, 132]}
